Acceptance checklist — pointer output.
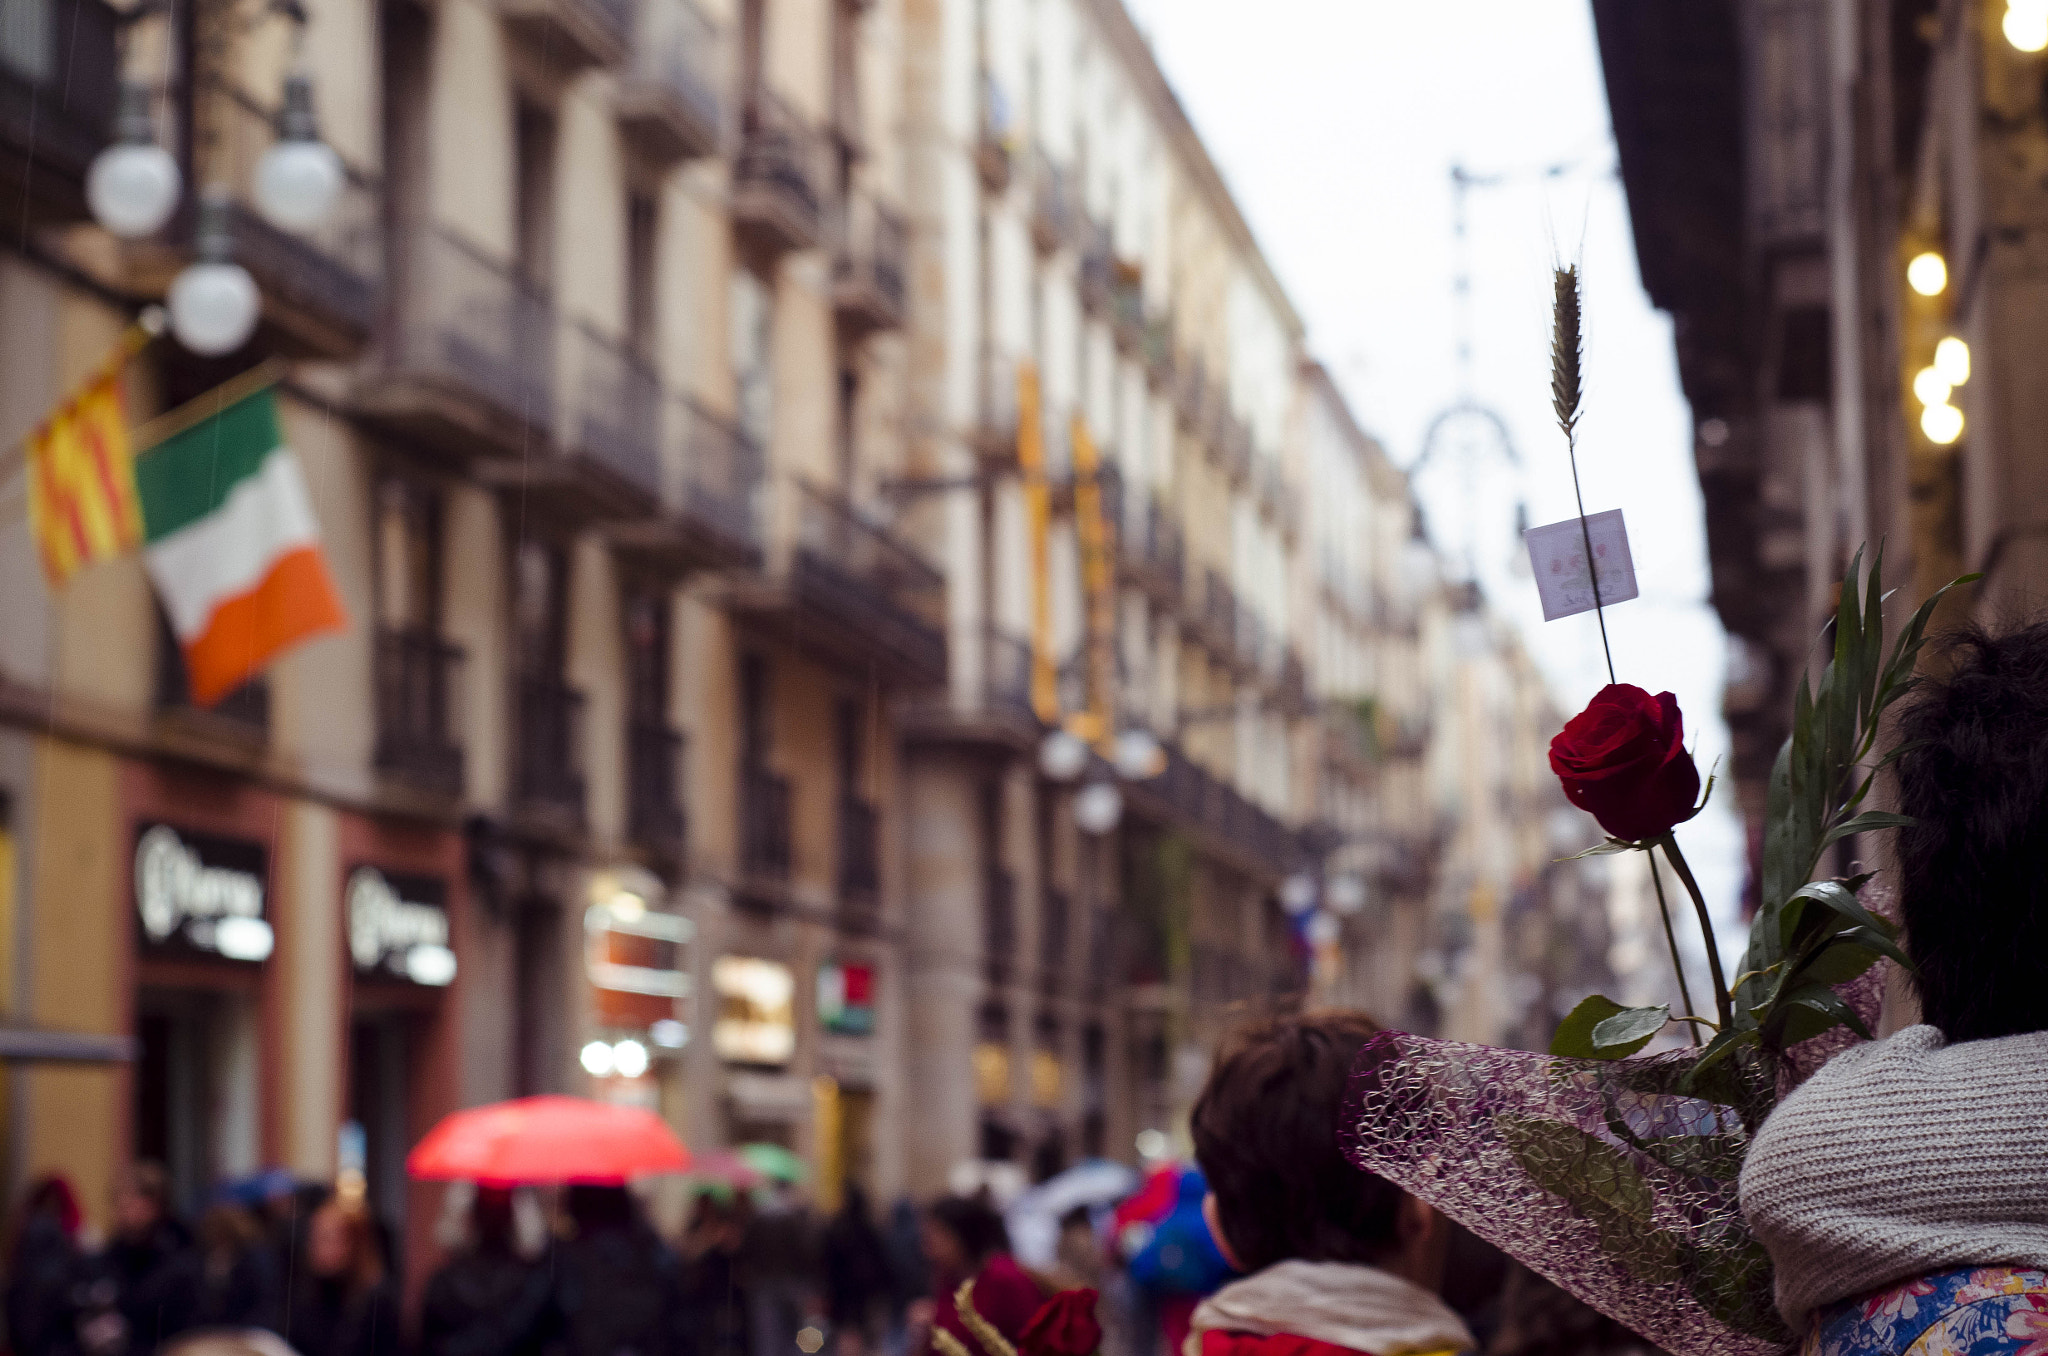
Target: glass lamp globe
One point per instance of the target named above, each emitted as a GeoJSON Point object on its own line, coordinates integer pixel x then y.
{"type": "Point", "coordinates": [300, 176]}
{"type": "Point", "coordinates": [1061, 755]}
{"type": "Point", "coordinates": [297, 183]}
{"type": "Point", "coordinates": [1098, 807]}
{"type": "Point", "coordinates": [1138, 755]}
{"type": "Point", "coordinates": [132, 188]}
{"type": "Point", "coordinates": [629, 1059]}
{"type": "Point", "coordinates": [1298, 893]}
{"type": "Point", "coordinates": [214, 304]}
{"type": "Point", "coordinates": [1347, 894]}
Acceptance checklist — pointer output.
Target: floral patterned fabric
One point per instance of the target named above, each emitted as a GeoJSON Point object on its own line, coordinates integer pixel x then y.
{"type": "Point", "coordinates": [1977, 1311]}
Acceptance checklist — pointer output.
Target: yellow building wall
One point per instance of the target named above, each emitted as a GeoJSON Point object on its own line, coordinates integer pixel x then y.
{"type": "Point", "coordinates": [76, 1122]}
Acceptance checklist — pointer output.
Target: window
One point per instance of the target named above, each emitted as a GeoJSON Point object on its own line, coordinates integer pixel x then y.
{"type": "Point", "coordinates": [408, 557]}
{"type": "Point", "coordinates": [643, 222]}
{"type": "Point", "coordinates": [540, 607]}
{"type": "Point", "coordinates": [647, 656]}
{"type": "Point", "coordinates": [534, 189]}
{"type": "Point", "coordinates": [754, 732]}
{"type": "Point", "coordinates": [752, 332]}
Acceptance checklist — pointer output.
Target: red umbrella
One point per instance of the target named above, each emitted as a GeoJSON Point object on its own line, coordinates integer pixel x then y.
{"type": "Point", "coordinates": [548, 1139]}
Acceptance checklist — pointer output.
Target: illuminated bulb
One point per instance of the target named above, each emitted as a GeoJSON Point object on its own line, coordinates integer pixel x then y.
{"type": "Point", "coordinates": [1098, 807]}
{"type": "Point", "coordinates": [597, 1059]}
{"type": "Point", "coordinates": [1952, 360]}
{"type": "Point", "coordinates": [1927, 274]}
{"type": "Point", "coordinates": [1062, 755]}
{"type": "Point", "coordinates": [213, 302]}
{"type": "Point", "coordinates": [629, 1059]}
{"type": "Point", "coordinates": [1930, 387]}
{"type": "Point", "coordinates": [2026, 25]}
{"type": "Point", "coordinates": [1942, 424]}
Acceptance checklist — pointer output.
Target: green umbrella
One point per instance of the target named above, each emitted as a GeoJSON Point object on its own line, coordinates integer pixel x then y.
{"type": "Point", "coordinates": [772, 1160]}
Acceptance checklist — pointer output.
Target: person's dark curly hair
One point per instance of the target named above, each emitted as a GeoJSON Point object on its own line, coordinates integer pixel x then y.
{"type": "Point", "coordinates": [1973, 866]}
{"type": "Point", "coordinates": [1268, 1138]}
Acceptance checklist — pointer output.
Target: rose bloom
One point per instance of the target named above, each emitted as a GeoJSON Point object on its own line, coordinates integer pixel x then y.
{"type": "Point", "coordinates": [1063, 1326]}
{"type": "Point", "coordinates": [1623, 760]}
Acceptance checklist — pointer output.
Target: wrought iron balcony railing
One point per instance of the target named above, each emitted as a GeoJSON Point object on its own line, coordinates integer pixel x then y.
{"type": "Point", "coordinates": [549, 740]}
{"type": "Point", "coordinates": [870, 281]}
{"type": "Point", "coordinates": [780, 177]}
{"type": "Point", "coordinates": [418, 677]}
{"type": "Point", "coordinates": [1052, 203]}
{"type": "Point", "coordinates": [59, 62]}
{"type": "Point", "coordinates": [766, 851]}
{"type": "Point", "coordinates": [655, 813]}
{"type": "Point", "coordinates": [618, 411]}
{"type": "Point", "coordinates": [471, 326]}
{"type": "Point", "coordinates": [670, 102]}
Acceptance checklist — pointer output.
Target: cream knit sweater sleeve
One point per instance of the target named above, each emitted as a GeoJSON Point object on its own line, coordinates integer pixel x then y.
{"type": "Point", "coordinates": [1900, 1158]}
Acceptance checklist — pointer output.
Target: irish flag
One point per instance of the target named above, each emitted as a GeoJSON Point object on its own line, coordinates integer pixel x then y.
{"type": "Point", "coordinates": [231, 542]}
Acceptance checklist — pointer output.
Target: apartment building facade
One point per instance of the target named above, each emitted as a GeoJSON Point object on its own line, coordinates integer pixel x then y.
{"type": "Point", "coordinates": [742, 432]}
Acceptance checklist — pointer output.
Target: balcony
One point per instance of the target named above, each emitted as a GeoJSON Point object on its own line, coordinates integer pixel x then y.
{"type": "Point", "coordinates": [1127, 310]}
{"type": "Point", "coordinates": [58, 64]}
{"type": "Point", "coordinates": [548, 778]}
{"type": "Point", "coordinates": [1053, 212]}
{"type": "Point", "coordinates": [469, 366]}
{"type": "Point", "coordinates": [418, 675]}
{"type": "Point", "coordinates": [609, 462]}
{"type": "Point", "coordinates": [1098, 267]}
{"type": "Point", "coordinates": [1159, 360]}
{"type": "Point", "coordinates": [995, 422]}
{"type": "Point", "coordinates": [1218, 618]}
{"type": "Point", "coordinates": [1230, 442]}
{"type": "Point", "coordinates": [997, 715]}
{"type": "Point", "coordinates": [992, 140]}
{"type": "Point", "coordinates": [572, 35]}
{"type": "Point", "coordinates": [765, 840]}
{"type": "Point", "coordinates": [854, 595]}
{"type": "Point", "coordinates": [778, 188]}
{"type": "Point", "coordinates": [1155, 554]}
{"type": "Point", "coordinates": [655, 818]}
{"type": "Point", "coordinates": [668, 104]}
{"type": "Point", "coordinates": [1191, 394]}
{"type": "Point", "coordinates": [711, 489]}
{"type": "Point", "coordinates": [1292, 694]}
{"type": "Point", "coordinates": [998, 926]}
{"type": "Point", "coordinates": [860, 863]}
{"type": "Point", "coordinates": [870, 285]}
{"type": "Point", "coordinates": [1189, 797]}
{"type": "Point", "coordinates": [1350, 736]}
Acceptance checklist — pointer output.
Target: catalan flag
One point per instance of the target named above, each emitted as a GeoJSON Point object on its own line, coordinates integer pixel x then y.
{"type": "Point", "coordinates": [81, 495]}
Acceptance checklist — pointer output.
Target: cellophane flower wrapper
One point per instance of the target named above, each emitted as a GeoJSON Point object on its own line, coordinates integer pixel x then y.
{"type": "Point", "coordinates": [1607, 1177]}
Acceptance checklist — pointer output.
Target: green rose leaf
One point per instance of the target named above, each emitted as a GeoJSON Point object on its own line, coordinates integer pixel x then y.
{"type": "Point", "coordinates": [1628, 1031]}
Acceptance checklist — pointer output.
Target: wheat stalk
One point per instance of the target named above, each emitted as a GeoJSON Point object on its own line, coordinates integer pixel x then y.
{"type": "Point", "coordinates": [1565, 348]}
{"type": "Point", "coordinates": [1566, 396]}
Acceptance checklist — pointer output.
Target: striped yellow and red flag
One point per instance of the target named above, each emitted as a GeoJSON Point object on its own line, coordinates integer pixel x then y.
{"type": "Point", "coordinates": [81, 494]}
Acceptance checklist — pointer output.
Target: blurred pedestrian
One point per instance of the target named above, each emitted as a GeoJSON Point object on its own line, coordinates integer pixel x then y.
{"type": "Point", "coordinates": [488, 1299]}
{"type": "Point", "coordinates": [343, 1301]}
{"type": "Point", "coordinates": [147, 1278]}
{"type": "Point", "coordinates": [618, 1287]}
{"type": "Point", "coordinates": [714, 1305]}
{"type": "Point", "coordinates": [44, 1270]}
{"type": "Point", "coordinates": [909, 1276]}
{"type": "Point", "coordinates": [856, 1267]}
{"type": "Point", "coordinates": [238, 1282]}
{"type": "Point", "coordinates": [1336, 1258]}
{"type": "Point", "coordinates": [778, 1267]}
{"type": "Point", "coordinates": [964, 1239]}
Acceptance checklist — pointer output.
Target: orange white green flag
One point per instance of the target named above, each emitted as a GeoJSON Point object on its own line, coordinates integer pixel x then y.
{"type": "Point", "coordinates": [232, 544]}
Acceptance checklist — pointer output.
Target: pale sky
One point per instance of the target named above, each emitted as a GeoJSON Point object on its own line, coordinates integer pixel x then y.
{"type": "Point", "coordinates": [1336, 123]}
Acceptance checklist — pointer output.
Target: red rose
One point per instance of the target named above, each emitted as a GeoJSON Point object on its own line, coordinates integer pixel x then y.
{"type": "Point", "coordinates": [1063, 1326]}
{"type": "Point", "coordinates": [1623, 761]}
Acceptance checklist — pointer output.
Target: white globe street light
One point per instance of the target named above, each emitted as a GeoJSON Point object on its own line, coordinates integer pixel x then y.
{"type": "Point", "coordinates": [132, 186]}
{"type": "Point", "coordinates": [300, 176]}
{"type": "Point", "coordinates": [1098, 807]}
{"type": "Point", "coordinates": [1062, 755]}
{"type": "Point", "coordinates": [214, 302]}
{"type": "Point", "coordinates": [1138, 755]}
{"type": "Point", "coordinates": [1347, 894]}
{"type": "Point", "coordinates": [1298, 893]}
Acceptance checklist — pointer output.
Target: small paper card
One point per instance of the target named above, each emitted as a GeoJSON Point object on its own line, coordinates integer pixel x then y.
{"type": "Point", "coordinates": [1557, 554]}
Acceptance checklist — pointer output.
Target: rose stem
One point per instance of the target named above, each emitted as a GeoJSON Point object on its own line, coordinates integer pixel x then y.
{"type": "Point", "coordinates": [1571, 443]}
{"type": "Point", "coordinates": [1723, 1002]}
{"type": "Point", "coordinates": [1671, 940]}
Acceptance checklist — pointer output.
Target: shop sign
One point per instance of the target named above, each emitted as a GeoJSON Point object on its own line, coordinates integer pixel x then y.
{"type": "Point", "coordinates": [398, 927]}
{"type": "Point", "coordinates": [195, 893]}
{"type": "Point", "coordinates": [846, 999]}
{"type": "Point", "coordinates": [756, 1012]}
{"type": "Point", "coordinates": [634, 956]}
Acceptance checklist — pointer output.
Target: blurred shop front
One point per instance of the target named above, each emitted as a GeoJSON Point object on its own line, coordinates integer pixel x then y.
{"type": "Point", "coordinates": [204, 920]}
{"type": "Point", "coordinates": [635, 961]}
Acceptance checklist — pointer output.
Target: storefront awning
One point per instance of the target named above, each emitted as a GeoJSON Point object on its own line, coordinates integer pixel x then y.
{"type": "Point", "coordinates": [64, 1047]}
